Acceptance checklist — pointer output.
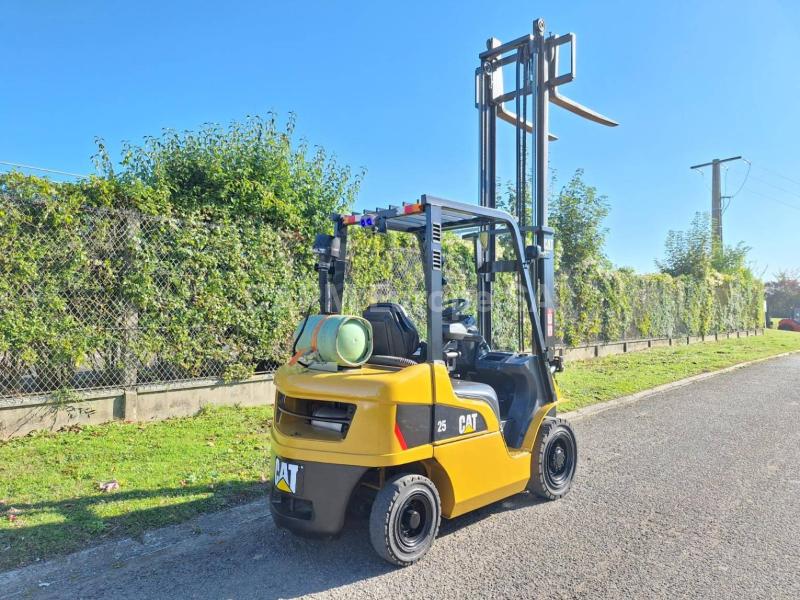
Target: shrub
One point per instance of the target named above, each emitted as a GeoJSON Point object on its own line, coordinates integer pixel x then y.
{"type": "Point", "coordinates": [191, 258]}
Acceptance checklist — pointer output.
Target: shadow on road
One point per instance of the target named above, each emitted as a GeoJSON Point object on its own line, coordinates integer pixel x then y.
{"type": "Point", "coordinates": [523, 500]}
{"type": "Point", "coordinates": [243, 559]}
{"type": "Point", "coordinates": [312, 566]}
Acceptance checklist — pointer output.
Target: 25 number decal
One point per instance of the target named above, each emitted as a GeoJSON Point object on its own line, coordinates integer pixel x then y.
{"type": "Point", "coordinates": [441, 426]}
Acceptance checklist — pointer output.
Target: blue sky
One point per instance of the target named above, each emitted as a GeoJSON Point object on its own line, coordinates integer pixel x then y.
{"type": "Point", "coordinates": [389, 87]}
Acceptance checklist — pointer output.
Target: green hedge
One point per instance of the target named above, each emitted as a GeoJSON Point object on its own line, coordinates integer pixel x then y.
{"type": "Point", "coordinates": [55, 292]}
{"type": "Point", "coordinates": [596, 304]}
{"type": "Point", "coordinates": [614, 304]}
{"type": "Point", "coordinates": [95, 297]}
{"type": "Point", "coordinates": [191, 257]}
{"type": "Point", "coordinates": [216, 299]}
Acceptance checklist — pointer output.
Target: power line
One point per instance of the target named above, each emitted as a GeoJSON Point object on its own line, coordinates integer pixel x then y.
{"type": "Point", "coordinates": [703, 179]}
{"type": "Point", "coordinates": [771, 199]}
{"type": "Point", "coordinates": [776, 174]}
{"type": "Point", "coordinates": [43, 169]}
{"type": "Point", "coordinates": [777, 187]}
{"type": "Point", "coordinates": [746, 175]}
{"type": "Point", "coordinates": [728, 198]}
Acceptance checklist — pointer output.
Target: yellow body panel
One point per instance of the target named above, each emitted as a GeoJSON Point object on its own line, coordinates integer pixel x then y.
{"type": "Point", "coordinates": [376, 392]}
{"type": "Point", "coordinates": [470, 470]}
{"type": "Point", "coordinates": [470, 473]}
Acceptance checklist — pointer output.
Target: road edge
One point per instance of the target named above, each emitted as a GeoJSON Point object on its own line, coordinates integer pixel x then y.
{"type": "Point", "coordinates": [593, 409]}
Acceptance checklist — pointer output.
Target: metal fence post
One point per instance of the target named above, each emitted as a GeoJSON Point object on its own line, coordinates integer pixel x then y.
{"type": "Point", "coordinates": [130, 313]}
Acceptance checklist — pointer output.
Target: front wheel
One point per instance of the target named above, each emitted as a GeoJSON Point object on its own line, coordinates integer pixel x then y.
{"type": "Point", "coordinates": [554, 460]}
{"type": "Point", "coordinates": [405, 519]}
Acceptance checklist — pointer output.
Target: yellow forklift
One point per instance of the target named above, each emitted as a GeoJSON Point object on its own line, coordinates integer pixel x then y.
{"type": "Point", "coordinates": [435, 427]}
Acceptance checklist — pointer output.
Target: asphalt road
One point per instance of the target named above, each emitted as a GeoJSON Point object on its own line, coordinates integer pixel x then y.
{"type": "Point", "coordinates": [691, 492]}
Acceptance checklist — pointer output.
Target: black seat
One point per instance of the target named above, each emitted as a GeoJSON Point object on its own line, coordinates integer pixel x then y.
{"type": "Point", "coordinates": [477, 391]}
{"type": "Point", "coordinates": [393, 333]}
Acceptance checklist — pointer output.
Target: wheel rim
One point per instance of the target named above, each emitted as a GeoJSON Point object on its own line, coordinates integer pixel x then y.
{"type": "Point", "coordinates": [414, 520]}
{"type": "Point", "coordinates": [560, 460]}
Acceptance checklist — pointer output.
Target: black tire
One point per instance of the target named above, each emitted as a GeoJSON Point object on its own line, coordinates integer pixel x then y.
{"type": "Point", "coordinates": [554, 460]}
{"type": "Point", "coordinates": [405, 519]}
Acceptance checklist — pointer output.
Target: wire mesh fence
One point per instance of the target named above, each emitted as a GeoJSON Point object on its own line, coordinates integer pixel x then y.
{"type": "Point", "coordinates": [97, 298]}
{"type": "Point", "coordinates": [92, 297]}
{"type": "Point", "coordinates": [378, 271]}
{"type": "Point", "coordinates": [383, 268]}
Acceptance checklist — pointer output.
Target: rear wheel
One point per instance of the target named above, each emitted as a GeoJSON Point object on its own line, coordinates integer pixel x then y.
{"type": "Point", "coordinates": [405, 519]}
{"type": "Point", "coordinates": [554, 460]}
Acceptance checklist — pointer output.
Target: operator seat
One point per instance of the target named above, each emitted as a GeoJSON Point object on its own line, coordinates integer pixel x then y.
{"type": "Point", "coordinates": [393, 333]}
{"type": "Point", "coordinates": [477, 391]}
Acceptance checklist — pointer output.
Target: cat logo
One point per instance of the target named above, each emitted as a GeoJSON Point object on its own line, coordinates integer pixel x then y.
{"type": "Point", "coordinates": [286, 476]}
{"type": "Point", "coordinates": [468, 423]}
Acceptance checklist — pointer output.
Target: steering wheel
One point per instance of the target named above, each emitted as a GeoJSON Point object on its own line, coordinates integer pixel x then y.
{"type": "Point", "coordinates": [454, 307]}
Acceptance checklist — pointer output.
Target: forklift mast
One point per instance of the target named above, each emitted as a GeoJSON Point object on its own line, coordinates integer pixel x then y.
{"type": "Point", "coordinates": [534, 61]}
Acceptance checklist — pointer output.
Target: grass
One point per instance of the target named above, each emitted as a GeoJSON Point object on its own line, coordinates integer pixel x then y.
{"type": "Point", "coordinates": [591, 381]}
{"type": "Point", "coordinates": [167, 471]}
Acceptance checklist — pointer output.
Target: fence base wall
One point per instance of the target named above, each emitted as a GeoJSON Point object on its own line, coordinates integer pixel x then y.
{"type": "Point", "coordinates": [608, 348]}
{"type": "Point", "coordinates": [19, 416]}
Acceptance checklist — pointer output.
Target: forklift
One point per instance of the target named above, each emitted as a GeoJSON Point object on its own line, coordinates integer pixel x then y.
{"type": "Point", "coordinates": [435, 422]}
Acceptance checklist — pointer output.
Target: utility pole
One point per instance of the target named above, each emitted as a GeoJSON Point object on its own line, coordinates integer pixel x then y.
{"type": "Point", "coordinates": [716, 199]}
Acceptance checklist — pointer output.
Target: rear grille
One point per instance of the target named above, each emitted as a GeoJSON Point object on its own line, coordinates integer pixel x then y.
{"type": "Point", "coordinates": [322, 415]}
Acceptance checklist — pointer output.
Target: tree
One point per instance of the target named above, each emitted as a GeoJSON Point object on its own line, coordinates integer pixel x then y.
{"type": "Point", "coordinates": [252, 169]}
{"type": "Point", "coordinates": [577, 215]}
{"type": "Point", "coordinates": [691, 252]}
{"type": "Point", "coordinates": [688, 252]}
{"type": "Point", "coordinates": [783, 294]}
{"type": "Point", "coordinates": [731, 259]}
